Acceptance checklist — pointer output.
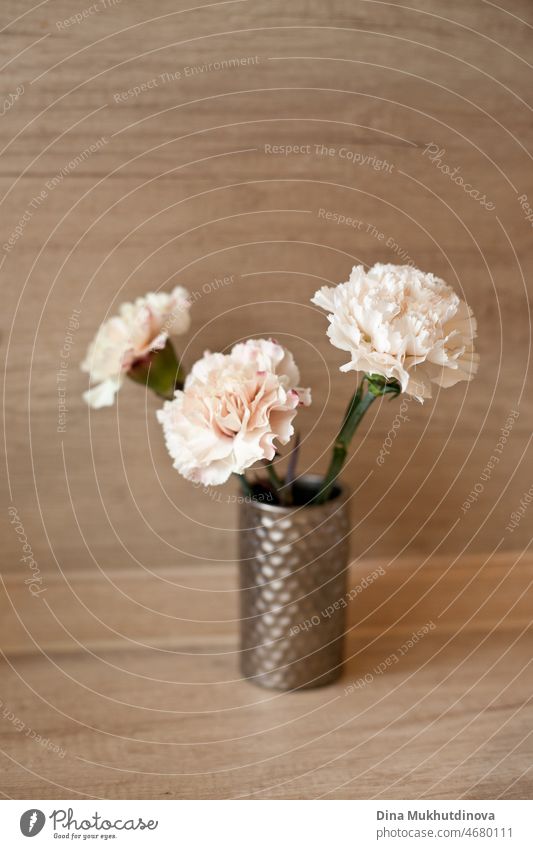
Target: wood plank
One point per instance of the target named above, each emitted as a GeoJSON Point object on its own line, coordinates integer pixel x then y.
{"type": "Point", "coordinates": [157, 708]}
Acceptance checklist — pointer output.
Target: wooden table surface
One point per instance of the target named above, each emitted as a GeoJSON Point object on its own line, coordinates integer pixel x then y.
{"type": "Point", "coordinates": [131, 681]}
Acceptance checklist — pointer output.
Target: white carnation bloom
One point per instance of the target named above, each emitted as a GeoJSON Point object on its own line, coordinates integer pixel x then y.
{"type": "Point", "coordinates": [231, 410]}
{"type": "Point", "coordinates": [139, 328]}
{"type": "Point", "coordinates": [401, 323]}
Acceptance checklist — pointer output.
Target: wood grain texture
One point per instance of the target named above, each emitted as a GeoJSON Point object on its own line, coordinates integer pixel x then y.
{"type": "Point", "coordinates": [184, 188]}
{"type": "Point", "coordinates": [136, 683]}
{"type": "Point", "coordinates": [107, 192]}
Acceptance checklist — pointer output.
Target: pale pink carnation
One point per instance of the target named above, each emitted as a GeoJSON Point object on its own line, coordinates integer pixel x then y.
{"type": "Point", "coordinates": [139, 328]}
{"type": "Point", "coordinates": [401, 323]}
{"type": "Point", "coordinates": [232, 409]}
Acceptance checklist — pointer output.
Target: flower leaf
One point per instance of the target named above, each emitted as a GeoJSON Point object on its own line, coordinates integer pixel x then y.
{"type": "Point", "coordinates": [159, 371]}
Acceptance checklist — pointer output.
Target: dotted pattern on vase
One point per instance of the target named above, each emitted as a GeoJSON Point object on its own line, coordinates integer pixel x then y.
{"type": "Point", "coordinates": [293, 568]}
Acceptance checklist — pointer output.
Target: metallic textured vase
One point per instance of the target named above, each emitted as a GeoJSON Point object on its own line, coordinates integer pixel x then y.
{"type": "Point", "coordinates": [293, 583]}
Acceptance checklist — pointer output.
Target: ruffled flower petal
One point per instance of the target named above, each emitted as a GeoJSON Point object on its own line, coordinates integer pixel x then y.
{"type": "Point", "coordinates": [401, 323]}
{"type": "Point", "coordinates": [232, 409]}
{"type": "Point", "coordinates": [103, 394]}
{"type": "Point", "coordinates": [141, 327]}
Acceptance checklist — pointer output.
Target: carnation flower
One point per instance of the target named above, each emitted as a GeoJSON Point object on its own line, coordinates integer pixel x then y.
{"type": "Point", "coordinates": [125, 340]}
{"type": "Point", "coordinates": [400, 323]}
{"type": "Point", "coordinates": [231, 410]}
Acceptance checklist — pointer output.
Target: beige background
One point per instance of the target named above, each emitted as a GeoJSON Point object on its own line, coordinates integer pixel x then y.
{"type": "Point", "coordinates": [184, 191]}
{"type": "Point", "coordinates": [172, 197]}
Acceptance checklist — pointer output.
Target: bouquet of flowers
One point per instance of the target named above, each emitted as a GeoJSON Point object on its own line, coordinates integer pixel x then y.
{"type": "Point", "coordinates": [404, 330]}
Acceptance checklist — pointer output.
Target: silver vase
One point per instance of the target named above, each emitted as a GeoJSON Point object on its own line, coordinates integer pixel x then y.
{"type": "Point", "coordinates": [293, 585]}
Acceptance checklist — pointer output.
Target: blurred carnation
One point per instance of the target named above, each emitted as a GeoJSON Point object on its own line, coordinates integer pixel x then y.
{"type": "Point", "coordinates": [400, 323]}
{"type": "Point", "coordinates": [231, 410]}
{"type": "Point", "coordinates": [126, 340]}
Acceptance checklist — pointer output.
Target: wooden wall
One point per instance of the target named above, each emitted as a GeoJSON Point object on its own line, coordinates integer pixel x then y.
{"type": "Point", "coordinates": [115, 193]}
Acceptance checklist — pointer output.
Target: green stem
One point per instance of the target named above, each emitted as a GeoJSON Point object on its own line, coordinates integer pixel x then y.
{"type": "Point", "coordinates": [356, 410]}
{"type": "Point", "coordinates": [376, 386]}
{"type": "Point", "coordinates": [245, 486]}
{"type": "Point", "coordinates": [275, 480]}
